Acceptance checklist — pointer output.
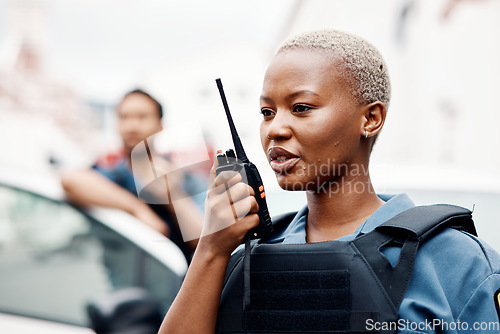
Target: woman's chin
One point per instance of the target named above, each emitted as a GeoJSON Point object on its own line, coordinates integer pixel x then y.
{"type": "Point", "coordinates": [289, 184]}
{"type": "Point", "coordinates": [288, 188]}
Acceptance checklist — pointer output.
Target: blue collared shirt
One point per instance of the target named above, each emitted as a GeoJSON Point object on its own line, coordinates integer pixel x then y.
{"type": "Point", "coordinates": [454, 280]}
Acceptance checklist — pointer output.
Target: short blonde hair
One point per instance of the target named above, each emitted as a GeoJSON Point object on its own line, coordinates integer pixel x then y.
{"type": "Point", "coordinates": [360, 62]}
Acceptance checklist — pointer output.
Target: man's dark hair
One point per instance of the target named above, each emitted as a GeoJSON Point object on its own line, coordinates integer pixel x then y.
{"type": "Point", "coordinates": [141, 92]}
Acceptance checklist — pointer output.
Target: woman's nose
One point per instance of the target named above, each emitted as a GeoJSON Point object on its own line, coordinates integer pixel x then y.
{"type": "Point", "coordinates": [279, 127]}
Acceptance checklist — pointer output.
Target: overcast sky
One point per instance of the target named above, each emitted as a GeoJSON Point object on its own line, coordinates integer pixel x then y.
{"type": "Point", "coordinates": [101, 46]}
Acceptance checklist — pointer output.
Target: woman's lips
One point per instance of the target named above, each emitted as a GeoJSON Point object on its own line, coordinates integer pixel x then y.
{"type": "Point", "coordinates": [281, 160]}
{"type": "Point", "coordinates": [285, 166]}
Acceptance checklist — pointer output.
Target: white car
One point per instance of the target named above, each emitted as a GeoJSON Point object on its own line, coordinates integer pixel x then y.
{"type": "Point", "coordinates": [58, 262]}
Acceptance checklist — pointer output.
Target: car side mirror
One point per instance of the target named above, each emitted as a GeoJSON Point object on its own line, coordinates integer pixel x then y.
{"type": "Point", "coordinates": [125, 311]}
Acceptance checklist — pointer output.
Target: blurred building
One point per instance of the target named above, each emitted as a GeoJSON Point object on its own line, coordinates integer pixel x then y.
{"type": "Point", "coordinates": [443, 61]}
{"type": "Point", "coordinates": [43, 121]}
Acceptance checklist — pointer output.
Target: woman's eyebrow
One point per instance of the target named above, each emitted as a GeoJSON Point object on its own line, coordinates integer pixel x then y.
{"type": "Point", "coordinates": [302, 92]}
{"type": "Point", "coordinates": [292, 95]}
{"type": "Point", "coordinates": [265, 99]}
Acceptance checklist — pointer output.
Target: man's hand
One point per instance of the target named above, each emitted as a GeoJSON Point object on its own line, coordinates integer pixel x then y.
{"type": "Point", "coordinates": [144, 213]}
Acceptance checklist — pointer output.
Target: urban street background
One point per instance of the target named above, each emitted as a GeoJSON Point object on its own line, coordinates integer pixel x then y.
{"type": "Point", "coordinates": [65, 63]}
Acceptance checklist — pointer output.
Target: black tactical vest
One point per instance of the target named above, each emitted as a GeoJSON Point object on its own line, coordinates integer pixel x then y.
{"type": "Point", "coordinates": [333, 286]}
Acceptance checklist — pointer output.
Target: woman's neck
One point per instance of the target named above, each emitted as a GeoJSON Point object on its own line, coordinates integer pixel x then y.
{"type": "Point", "coordinates": [340, 208]}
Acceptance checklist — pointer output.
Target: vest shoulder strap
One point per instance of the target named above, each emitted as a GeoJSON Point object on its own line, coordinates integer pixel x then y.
{"type": "Point", "coordinates": [413, 226]}
{"type": "Point", "coordinates": [422, 222]}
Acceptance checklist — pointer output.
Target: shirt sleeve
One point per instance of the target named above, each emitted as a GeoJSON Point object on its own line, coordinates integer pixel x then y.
{"type": "Point", "coordinates": [480, 315]}
{"type": "Point", "coordinates": [108, 173]}
{"type": "Point", "coordinates": [120, 175]}
{"type": "Point", "coordinates": [452, 290]}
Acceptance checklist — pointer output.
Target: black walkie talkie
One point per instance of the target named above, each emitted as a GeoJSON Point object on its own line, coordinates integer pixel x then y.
{"type": "Point", "coordinates": [238, 162]}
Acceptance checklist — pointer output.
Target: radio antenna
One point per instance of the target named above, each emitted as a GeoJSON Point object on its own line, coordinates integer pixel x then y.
{"type": "Point", "coordinates": [240, 152]}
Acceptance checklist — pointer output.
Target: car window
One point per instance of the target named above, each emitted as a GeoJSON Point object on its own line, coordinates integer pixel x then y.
{"type": "Point", "coordinates": [161, 282]}
{"type": "Point", "coordinates": [54, 259]}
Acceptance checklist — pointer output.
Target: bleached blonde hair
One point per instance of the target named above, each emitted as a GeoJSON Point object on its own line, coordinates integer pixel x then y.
{"type": "Point", "coordinates": [360, 62]}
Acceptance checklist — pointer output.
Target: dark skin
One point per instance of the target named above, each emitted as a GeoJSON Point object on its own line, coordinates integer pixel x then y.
{"type": "Point", "coordinates": [309, 111]}
{"type": "Point", "coordinates": [310, 120]}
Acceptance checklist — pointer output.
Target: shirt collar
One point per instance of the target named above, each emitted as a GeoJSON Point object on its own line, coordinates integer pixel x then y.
{"type": "Point", "coordinates": [394, 205]}
{"type": "Point", "coordinates": [295, 233]}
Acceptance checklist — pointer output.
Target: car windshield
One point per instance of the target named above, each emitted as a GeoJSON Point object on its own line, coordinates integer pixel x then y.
{"type": "Point", "coordinates": [54, 259]}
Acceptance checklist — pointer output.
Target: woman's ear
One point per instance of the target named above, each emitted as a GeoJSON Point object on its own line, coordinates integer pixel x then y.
{"type": "Point", "coordinates": [374, 118]}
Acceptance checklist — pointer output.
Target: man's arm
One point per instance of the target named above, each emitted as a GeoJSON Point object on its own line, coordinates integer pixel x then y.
{"type": "Point", "coordinates": [88, 187]}
{"type": "Point", "coordinates": [179, 204]}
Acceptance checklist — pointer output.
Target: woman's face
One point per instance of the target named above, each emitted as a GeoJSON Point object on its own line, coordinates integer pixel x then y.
{"type": "Point", "coordinates": [312, 124]}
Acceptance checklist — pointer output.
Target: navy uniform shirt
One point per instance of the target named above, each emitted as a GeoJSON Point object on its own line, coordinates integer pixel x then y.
{"type": "Point", "coordinates": [454, 282]}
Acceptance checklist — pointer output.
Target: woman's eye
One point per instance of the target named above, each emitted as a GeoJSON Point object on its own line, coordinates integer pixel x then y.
{"type": "Point", "coordinates": [301, 108]}
{"type": "Point", "coordinates": [266, 112]}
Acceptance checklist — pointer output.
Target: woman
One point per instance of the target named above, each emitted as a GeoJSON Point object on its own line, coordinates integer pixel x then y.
{"type": "Point", "coordinates": [324, 101]}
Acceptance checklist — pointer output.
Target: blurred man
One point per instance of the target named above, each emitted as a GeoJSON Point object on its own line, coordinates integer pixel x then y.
{"type": "Point", "coordinates": [111, 183]}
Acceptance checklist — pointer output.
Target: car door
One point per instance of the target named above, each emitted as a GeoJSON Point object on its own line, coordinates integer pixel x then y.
{"type": "Point", "coordinates": [54, 259]}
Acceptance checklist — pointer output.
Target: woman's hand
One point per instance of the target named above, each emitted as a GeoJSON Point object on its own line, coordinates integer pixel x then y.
{"type": "Point", "coordinates": [230, 212]}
